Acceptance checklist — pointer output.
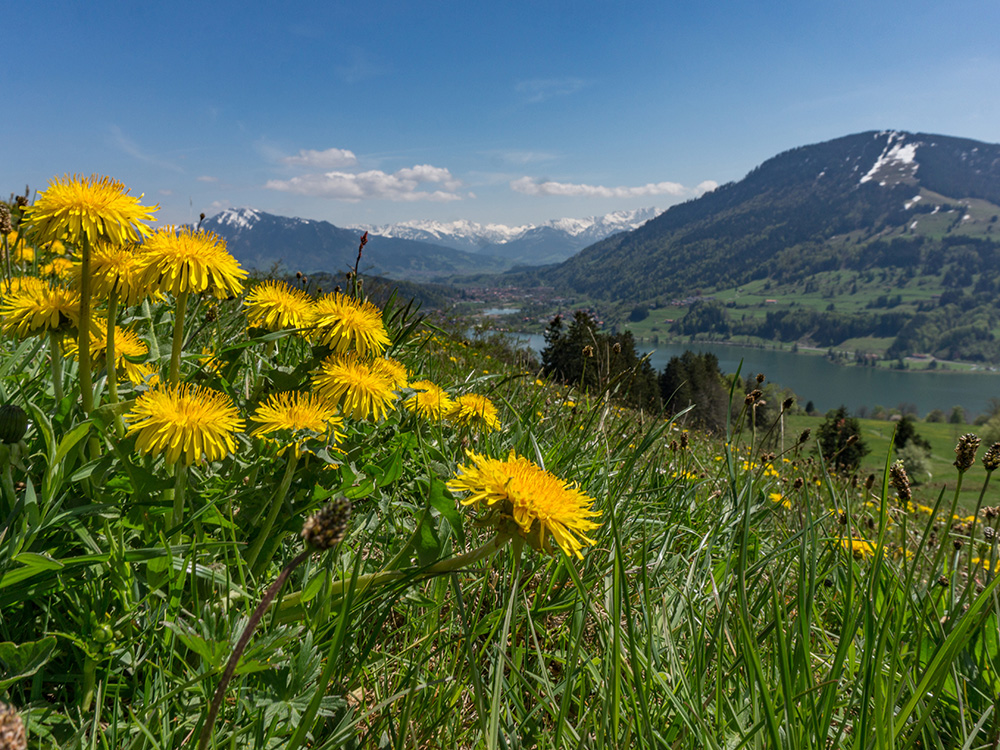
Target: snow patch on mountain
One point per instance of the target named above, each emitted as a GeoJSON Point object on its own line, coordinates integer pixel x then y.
{"type": "Point", "coordinates": [897, 161]}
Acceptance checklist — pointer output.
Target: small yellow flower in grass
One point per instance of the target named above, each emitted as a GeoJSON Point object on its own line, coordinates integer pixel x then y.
{"type": "Point", "coordinates": [37, 309]}
{"type": "Point", "coordinates": [358, 387]}
{"type": "Point", "coordinates": [430, 401]}
{"type": "Point", "coordinates": [779, 499]}
{"type": "Point", "coordinates": [184, 422]}
{"type": "Point", "coordinates": [475, 411]}
{"type": "Point", "coordinates": [298, 417]}
{"type": "Point", "coordinates": [344, 323]}
{"type": "Point", "coordinates": [539, 502]}
{"type": "Point", "coordinates": [859, 548]}
{"type": "Point", "coordinates": [61, 268]}
{"type": "Point", "coordinates": [95, 208]}
{"type": "Point", "coordinates": [275, 305]}
{"type": "Point", "coordinates": [187, 261]}
{"type": "Point", "coordinates": [24, 254]}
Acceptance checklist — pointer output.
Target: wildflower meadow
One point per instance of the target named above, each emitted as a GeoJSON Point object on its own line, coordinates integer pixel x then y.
{"type": "Point", "coordinates": [240, 512]}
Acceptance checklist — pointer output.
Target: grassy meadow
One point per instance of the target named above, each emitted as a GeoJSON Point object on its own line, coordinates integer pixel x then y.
{"type": "Point", "coordinates": [241, 514]}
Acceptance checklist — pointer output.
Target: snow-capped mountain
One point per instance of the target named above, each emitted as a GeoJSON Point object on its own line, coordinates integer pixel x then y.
{"type": "Point", "coordinates": [530, 244]}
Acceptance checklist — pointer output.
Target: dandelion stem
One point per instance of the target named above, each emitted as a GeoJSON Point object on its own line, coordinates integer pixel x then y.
{"type": "Point", "coordinates": [55, 350]}
{"type": "Point", "coordinates": [178, 345]}
{"type": "Point", "coordinates": [180, 484]}
{"type": "Point", "coordinates": [277, 502]}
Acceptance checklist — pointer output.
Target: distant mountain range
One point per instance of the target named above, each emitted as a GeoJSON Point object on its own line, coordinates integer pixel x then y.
{"type": "Point", "coordinates": [928, 203]}
{"type": "Point", "coordinates": [530, 244]}
{"type": "Point", "coordinates": [421, 250]}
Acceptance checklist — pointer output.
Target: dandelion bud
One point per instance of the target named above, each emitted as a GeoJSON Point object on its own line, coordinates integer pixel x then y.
{"type": "Point", "coordinates": [326, 527]}
{"type": "Point", "coordinates": [336, 289]}
{"type": "Point", "coordinates": [201, 217]}
{"type": "Point", "coordinates": [901, 482]}
{"type": "Point", "coordinates": [349, 275]}
{"type": "Point", "coordinates": [12, 735]}
{"type": "Point", "coordinates": [965, 451]}
{"type": "Point", "coordinates": [991, 459]}
{"type": "Point", "coordinates": [13, 425]}
{"type": "Point", "coordinates": [298, 275]}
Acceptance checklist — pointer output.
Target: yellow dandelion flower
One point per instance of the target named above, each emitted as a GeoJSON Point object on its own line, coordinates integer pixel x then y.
{"type": "Point", "coordinates": [859, 548]}
{"type": "Point", "coordinates": [473, 410]}
{"type": "Point", "coordinates": [395, 372]}
{"type": "Point", "coordinates": [20, 284]}
{"type": "Point", "coordinates": [142, 373]}
{"type": "Point", "coordinates": [61, 268]}
{"type": "Point", "coordinates": [778, 499]}
{"type": "Point", "coordinates": [37, 309]}
{"type": "Point", "coordinates": [430, 401]}
{"type": "Point", "coordinates": [343, 323]}
{"type": "Point", "coordinates": [356, 386]}
{"type": "Point", "coordinates": [24, 254]}
{"type": "Point", "coordinates": [275, 305]}
{"type": "Point", "coordinates": [183, 261]}
{"type": "Point", "coordinates": [129, 348]}
{"type": "Point", "coordinates": [298, 416]}
{"type": "Point", "coordinates": [114, 268]}
{"type": "Point", "coordinates": [95, 208]}
{"type": "Point", "coordinates": [209, 361]}
{"type": "Point", "coordinates": [184, 422]}
{"type": "Point", "coordinates": [539, 502]}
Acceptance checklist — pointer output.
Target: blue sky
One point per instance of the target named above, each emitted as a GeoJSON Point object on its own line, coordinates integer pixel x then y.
{"type": "Point", "coordinates": [510, 112]}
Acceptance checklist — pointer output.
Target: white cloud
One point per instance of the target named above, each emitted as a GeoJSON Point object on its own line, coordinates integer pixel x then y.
{"type": "Point", "coordinates": [207, 178]}
{"type": "Point", "coordinates": [531, 186]}
{"type": "Point", "coordinates": [541, 89]}
{"type": "Point", "coordinates": [331, 158]}
{"type": "Point", "coordinates": [403, 185]}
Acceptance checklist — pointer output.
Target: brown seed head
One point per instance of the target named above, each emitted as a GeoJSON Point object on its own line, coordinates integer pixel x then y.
{"type": "Point", "coordinates": [965, 451]}
{"type": "Point", "coordinates": [684, 440]}
{"type": "Point", "coordinates": [957, 543]}
{"type": "Point", "coordinates": [617, 348]}
{"type": "Point", "coordinates": [869, 482]}
{"type": "Point", "coordinates": [326, 527]}
{"type": "Point", "coordinates": [943, 581]}
{"type": "Point", "coordinates": [5, 226]}
{"type": "Point", "coordinates": [991, 459]}
{"type": "Point", "coordinates": [988, 533]}
{"type": "Point", "coordinates": [797, 484]}
{"type": "Point", "coordinates": [588, 351]}
{"type": "Point", "coordinates": [901, 482]}
{"type": "Point", "coordinates": [760, 378]}
{"type": "Point", "coordinates": [787, 403]}
{"type": "Point", "coordinates": [12, 735]}
{"type": "Point", "coordinates": [804, 436]}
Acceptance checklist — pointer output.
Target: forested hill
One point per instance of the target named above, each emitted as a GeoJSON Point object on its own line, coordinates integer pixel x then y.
{"type": "Point", "coordinates": [878, 199]}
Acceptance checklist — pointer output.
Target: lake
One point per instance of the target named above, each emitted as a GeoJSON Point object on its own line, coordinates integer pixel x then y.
{"type": "Point", "coordinates": [816, 379]}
